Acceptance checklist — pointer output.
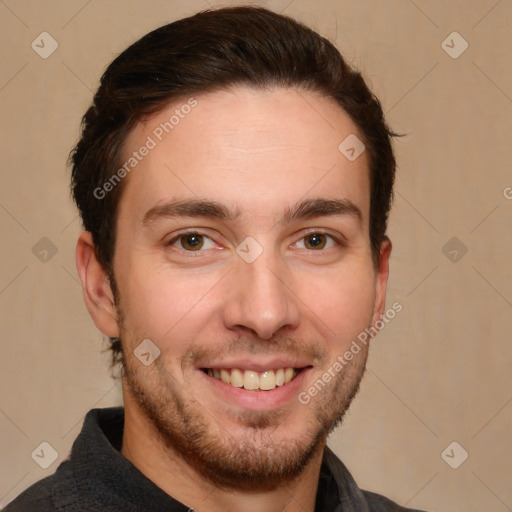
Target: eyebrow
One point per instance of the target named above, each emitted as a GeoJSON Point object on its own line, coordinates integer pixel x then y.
{"type": "Point", "coordinates": [322, 208]}
{"type": "Point", "coordinates": [305, 209]}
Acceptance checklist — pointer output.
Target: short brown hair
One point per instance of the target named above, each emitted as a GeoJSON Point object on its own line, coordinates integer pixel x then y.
{"type": "Point", "coordinates": [211, 50]}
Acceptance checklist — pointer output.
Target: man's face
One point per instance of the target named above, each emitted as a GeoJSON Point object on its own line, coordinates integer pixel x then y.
{"type": "Point", "coordinates": [273, 278]}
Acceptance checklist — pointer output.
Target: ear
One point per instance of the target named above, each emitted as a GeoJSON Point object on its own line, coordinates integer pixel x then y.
{"type": "Point", "coordinates": [381, 280]}
{"type": "Point", "coordinates": [98, 295]}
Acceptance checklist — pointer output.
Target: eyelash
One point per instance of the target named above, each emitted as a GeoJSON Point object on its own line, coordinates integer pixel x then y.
{"type": "Point", "coordinates": [338, 241]}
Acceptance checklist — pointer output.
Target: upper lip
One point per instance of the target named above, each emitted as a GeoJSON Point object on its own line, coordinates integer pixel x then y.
{"type": "Point", "coordinates": [256, 365]}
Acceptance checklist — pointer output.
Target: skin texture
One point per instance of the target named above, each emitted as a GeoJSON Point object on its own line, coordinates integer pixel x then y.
{"type": "Point", "coordinates": [300, 303]}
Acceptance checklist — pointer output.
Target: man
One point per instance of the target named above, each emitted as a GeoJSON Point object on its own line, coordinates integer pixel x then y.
{"type": "Point", "coordinates": [234, 177]}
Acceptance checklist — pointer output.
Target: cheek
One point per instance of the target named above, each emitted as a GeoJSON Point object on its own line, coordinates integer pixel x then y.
{"type": "Point", "coordinates": [341, 300]}
{"type": "Point", "coordinates": [157, 302]}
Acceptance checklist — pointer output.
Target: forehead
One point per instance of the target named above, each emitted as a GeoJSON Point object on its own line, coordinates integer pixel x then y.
{"type": "Point", "coordinates": [254, 150]}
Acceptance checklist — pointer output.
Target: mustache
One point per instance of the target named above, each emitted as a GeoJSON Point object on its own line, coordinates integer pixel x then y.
{"type": "Point", "coordinates": [244, 345]}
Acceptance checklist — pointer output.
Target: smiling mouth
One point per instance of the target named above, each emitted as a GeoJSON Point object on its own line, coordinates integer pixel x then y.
{"type": "Point", "coordinates": [254, 381]}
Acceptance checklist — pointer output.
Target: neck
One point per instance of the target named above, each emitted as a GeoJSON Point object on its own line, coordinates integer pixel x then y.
{"type": "Point", "coordinates": [143, 447]}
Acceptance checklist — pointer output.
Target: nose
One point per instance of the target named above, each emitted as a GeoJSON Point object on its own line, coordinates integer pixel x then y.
{"type": "Point", "coordinates": [260, 298]}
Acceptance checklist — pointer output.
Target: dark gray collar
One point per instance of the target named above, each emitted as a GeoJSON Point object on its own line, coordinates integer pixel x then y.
{"type": "Point", "coordinates": [99, 468]}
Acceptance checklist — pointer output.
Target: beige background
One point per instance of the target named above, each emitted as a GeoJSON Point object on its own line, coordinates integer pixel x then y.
{"type": "Point", "coordinates": [440, 372]}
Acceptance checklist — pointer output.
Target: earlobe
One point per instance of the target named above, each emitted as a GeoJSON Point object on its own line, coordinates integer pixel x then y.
{"type": "Point", "coordinates": [96, 288]}
{"type": "Point", "coordinates": [382, 274]}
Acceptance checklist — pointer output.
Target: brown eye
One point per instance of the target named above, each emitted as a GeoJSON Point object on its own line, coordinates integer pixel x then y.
{"type": "Point", "coordinates": [315, 241]}
{"type": "Point", "coordinates": [192, 241]}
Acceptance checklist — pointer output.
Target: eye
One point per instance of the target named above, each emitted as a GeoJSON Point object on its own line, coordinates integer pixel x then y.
{"type": "Point", "coordinates": [316, 242]}
{"type": "Point", "coordinates": [192, 242]}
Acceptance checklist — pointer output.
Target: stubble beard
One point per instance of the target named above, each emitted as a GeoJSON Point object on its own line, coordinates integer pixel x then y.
{"type": "Point", "coordinates": [254, 460]}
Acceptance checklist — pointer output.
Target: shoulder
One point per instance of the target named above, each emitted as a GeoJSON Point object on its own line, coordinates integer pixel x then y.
{"type": "Point", "coordinates": [351, 496]}
{"type": "Point", "coordinates": [68, 487]}
{"type": "Point", "coordinates": [50, 494]}
{"type": "Point", "coordinates": [37, 498]}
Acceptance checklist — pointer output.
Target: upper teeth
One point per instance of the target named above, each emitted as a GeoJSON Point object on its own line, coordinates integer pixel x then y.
{"type": "Point", "coordinates": [249, 379]}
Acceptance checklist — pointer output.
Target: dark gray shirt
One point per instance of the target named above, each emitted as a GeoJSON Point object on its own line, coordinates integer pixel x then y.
{"type": "Point", "coordinates": [96, 477]}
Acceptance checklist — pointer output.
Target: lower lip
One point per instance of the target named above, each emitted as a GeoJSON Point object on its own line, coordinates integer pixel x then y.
{"type": "Point", "coordinates": [258, 400]}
